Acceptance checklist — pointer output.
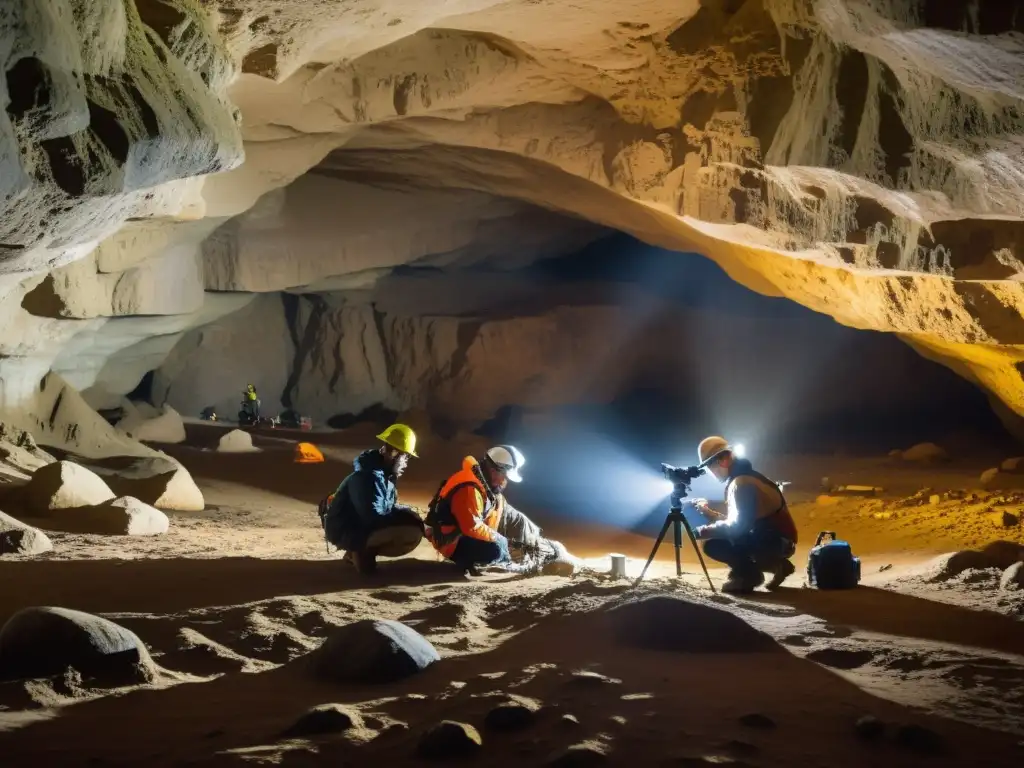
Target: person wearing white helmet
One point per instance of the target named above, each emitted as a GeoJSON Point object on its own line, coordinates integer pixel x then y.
{"type": "Point", "coordinates": [469, 520]}
{"type": "Point", "coordinates": [757, 533]}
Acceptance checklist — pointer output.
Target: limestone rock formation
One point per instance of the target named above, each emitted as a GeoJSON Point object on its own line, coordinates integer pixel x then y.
{"type": "Point", "coordinates": [65, 485]}
{"type": "Point", "coordinates": [21, 539]}
{"type": "Point", "coordinates": [124, 516]}
{"type": "Point", "coordinates": [20, 456]}
{"type": "Point", "coordinates": [236, 441]}
{"type": "Point", "coordinates": [163, 160]}
{"type": "Point", "coordinates": [167, 427]}
{"type": "Point", "coordinates": [161, 482]}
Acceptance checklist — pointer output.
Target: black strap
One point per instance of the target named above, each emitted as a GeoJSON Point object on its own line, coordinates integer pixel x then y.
{"type": "Point", "coordinates": [438, 498]}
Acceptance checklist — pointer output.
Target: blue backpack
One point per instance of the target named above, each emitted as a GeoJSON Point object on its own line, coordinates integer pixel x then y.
{"type": "Point", "coordinates": [831, 564]}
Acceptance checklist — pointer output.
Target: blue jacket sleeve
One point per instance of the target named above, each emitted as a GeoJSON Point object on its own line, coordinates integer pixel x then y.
{"type": "Point", "coordinates": [369, 495]}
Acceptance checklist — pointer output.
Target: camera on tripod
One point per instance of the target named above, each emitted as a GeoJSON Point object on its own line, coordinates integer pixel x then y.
{"type": "Point", "coordinates": [681, 477]}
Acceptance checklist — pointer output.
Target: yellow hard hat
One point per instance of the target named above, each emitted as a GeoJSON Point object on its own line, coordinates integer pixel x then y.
{"type": "Point", "coordinates": [401, 437]}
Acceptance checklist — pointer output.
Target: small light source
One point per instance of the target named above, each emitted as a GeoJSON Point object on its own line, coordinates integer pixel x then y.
{"type": "Point", "coordinates": [739, 451]}
{"type": "Point", "coordinates": [618, 569]}
{"type": "Point", "coordinates": [666, 487]}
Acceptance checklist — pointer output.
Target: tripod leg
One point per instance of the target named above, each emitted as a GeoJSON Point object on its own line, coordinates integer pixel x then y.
{"type": "Point", "coordinates": [700, 555]}
{"type": "Point", "coordinates": [654, 551]}
{"type": "Point", "coordinates": [677, 531]}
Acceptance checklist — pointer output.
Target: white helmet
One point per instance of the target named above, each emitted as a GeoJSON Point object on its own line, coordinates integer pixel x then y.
{"type": "Point", "coordinates": [509, 460]}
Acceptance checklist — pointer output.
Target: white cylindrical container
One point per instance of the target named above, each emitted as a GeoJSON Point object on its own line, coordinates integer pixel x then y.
{"type": "Point", "coordinates": [618, 570]}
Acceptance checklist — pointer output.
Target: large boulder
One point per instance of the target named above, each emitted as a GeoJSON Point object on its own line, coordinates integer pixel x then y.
{"type": "Point", "coordinates": [45, 641]}
{"type": "Point", "coordinates": [65, 485]}
{"type": "Point", "coordinates": [236, 441]}
{"type": "Point", "coordinates": [16, 538]}
{"type": "Point", "coordinates": [167, 427]}
{"type": "Point", "coordinates": [162, 482]}
{"type": "Point", "coordinates": [124, 516]}
{"type": "Point", "coordinates": [372, 651]}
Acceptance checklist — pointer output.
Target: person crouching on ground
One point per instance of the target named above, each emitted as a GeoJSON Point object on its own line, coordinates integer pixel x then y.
{"type": "Point", "coordinates": [363, 516]}
{"type": "Point", "coordinates": [469, 510]}
{"type": "Point", "coordinates": [757, 534]}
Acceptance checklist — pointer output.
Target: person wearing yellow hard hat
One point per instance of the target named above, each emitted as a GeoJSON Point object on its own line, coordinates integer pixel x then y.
{"type": "Point", "coordinates": [363, 516]}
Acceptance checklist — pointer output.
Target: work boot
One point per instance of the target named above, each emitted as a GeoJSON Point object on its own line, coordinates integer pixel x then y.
{"type": "Point", "coordinates": [743, 582]}
{"type": "Point", "coordinates": [783, 572]}
{"type": "Point", "coordinates": [365, 562]}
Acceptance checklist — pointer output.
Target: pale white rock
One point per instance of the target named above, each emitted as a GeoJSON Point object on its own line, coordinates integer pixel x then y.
{"type": "Point", "coordinates": [64, 485]}
{"type": "Point", "coordinates": [161, 482]}
{"type": "Point", "coordinates": [17, 538]}
{"type": "Point", "coordinates": [167, 427]}
{"type": "Point", "coordinates": [123, 516]}
{"type": "Point", "coordinates": [236, 441]}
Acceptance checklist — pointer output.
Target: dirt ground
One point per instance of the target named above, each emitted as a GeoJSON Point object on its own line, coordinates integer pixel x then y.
{"type": "Point", "coordinates": [233, 599]}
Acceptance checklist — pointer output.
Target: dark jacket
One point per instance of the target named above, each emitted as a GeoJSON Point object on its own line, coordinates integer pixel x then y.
{"type": "Point", "coordinates": [364, 501]}
{"type": "Point", "coordinates": [753, 502]}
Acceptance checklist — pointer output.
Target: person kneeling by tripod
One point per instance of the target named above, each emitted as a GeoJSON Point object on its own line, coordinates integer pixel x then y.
{"type": "Point", "coordinates": [757, 533]}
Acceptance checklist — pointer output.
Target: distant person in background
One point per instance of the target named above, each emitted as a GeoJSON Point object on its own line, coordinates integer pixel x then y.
{"type": "Point", "coordinates": [471, 524]}
{"type": "Point", "coordinates": [251, 403]}
{"type": "Point", "coordinates": [363, 516]}
{"type": "Point", "coordinates": [757, 533]}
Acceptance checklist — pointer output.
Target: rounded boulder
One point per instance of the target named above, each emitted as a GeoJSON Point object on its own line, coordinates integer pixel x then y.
{"type": "Point", "coordinates": [372, 651]}
{"type": "Point", "coordinates": [65, 485]}
{"type": "Point", "coordinates": [44, 641]}
{"type": "Point", "coordinates": [16, 538]}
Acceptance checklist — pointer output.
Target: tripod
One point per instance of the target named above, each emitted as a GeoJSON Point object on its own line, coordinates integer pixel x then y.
{"type": "Point", "coordinates": [676, 519]}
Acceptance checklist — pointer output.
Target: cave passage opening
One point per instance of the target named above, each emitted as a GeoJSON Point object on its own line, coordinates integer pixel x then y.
{"type": "Point", "coordinates": [699, 354]}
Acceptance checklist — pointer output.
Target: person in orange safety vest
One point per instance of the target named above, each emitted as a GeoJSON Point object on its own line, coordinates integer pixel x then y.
{"type": "Point", "coordinates": [469, 520]}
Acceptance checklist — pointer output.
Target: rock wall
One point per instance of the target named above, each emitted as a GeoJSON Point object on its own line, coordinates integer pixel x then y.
{"type": "Point", "coordinates": [160, 159]}
{"type": "Point", "coordinates": [741, 360]}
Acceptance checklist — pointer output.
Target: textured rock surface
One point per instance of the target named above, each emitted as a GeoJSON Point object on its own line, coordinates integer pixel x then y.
{"type": "Point", "coordinates": [862, 158]}
{"type": "Point", "coordinates": [236, 441]}
{"type": "Point", "coordinates": [45, 641]}
{"type": "Point", "coordinates": [65, 485]}
{"type": "Point", "coordinates": [463, 346]}
{"type": "Point", "coordinates": [381, 651]}
{"type": "Point", "coordinates": [20, 539]}
{"type": "Point", "coordinates": [160, 481]}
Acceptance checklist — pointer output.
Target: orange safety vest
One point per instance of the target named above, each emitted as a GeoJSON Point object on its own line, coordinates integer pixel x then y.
{"type": "Point", "coordinates": [444, 527]}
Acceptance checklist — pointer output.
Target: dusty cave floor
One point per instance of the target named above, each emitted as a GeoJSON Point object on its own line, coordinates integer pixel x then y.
{"type": "Point", "coordinates": [230, 600]}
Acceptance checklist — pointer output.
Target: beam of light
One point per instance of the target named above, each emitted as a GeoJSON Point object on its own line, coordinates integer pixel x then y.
{"type": "Point", "coordinates": [739, 451]}
{"type": "Point", "coordinates": [580, 473]}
